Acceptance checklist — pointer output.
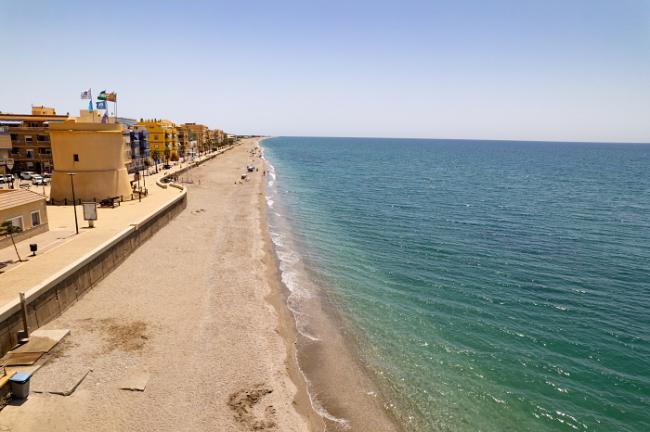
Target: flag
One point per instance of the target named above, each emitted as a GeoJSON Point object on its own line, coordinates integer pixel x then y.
{"type": "Point", "coordinates": [105, 117]}
{"type": "Point", "coordinates": [102, 95]}
{"type": "Point", "coordinates": [101, 104]}
{"type": "Point", "coordinates": [90, 106]}
{"type": "Point", "coordinates": [111, 97]}
{"type": "Point", "coordinates": [86, 94]}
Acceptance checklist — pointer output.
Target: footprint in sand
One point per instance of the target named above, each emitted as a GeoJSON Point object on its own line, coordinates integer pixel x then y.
{"type": "Point", "coordinates": [247, 412]}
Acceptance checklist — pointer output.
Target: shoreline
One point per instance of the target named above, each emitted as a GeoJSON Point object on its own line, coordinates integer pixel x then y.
{"type": "Point", "coordinates": [341, 391]}
{"type": "Point", "coordinates": [286, 325]}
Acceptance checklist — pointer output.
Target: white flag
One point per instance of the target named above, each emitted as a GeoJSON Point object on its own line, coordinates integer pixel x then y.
{"type": "Point", "coordinates": [85, 94]}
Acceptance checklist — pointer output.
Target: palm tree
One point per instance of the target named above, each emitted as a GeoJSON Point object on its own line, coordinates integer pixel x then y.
{"type": "Point", "coordinates": [8, 228]}
{"type": "Point", "coordinates": [156, 157]}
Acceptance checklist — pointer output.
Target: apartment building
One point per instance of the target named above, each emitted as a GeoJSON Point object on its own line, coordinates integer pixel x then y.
{"type": "Point", "coordinates": [31, 148]}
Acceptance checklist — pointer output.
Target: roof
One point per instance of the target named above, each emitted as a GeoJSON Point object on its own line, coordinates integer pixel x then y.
{"type": "Point", "coordinates": [10, 198]}
{"type": "Point", "coordinates": [31, 117]}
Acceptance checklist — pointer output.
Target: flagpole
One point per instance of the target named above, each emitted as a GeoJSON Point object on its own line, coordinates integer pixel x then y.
{"type": "Point", "coordinates": [91, 102]}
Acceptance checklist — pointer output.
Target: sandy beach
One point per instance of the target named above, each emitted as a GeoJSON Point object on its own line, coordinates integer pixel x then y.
{"type": "Point", "coordinates": [197, 312]}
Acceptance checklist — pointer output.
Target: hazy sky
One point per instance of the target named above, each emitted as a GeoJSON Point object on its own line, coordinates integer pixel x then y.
{"type": "Point", "coordinates": [506, 69]}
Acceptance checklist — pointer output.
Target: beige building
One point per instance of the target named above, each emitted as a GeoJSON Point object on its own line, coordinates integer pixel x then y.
{"type": "Point", "coordinates": [185, 137]}
{"type": "Point", "coordinates": [200, 135]}
{"type": "Point", "coordinates": [25, 209]}
{"type": "Point", "coordinates": [97, 153]}
{"type": "Point", "coordinates": [5, 148]}
{"type": "Point", "coordinates": [217, 138]}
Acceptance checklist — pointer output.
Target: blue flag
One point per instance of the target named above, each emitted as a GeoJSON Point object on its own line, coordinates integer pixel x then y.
{"type": "Point", "coordinates": [101, 105]}
{"type": "Point", "coordinates": [90, 106]}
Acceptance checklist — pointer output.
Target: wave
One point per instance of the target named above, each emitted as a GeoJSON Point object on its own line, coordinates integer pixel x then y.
{"type": "Point", "coordinates": [295, 279]}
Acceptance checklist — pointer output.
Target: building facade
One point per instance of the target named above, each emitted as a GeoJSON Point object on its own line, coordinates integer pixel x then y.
{"type": "Point", "coordinates": [200, 135]}
{"type": "Point", "coordinates": [5, 148]}
{"type": "Point", "coordinates": [31, 148]}
{"type": "Point", "coordinates": [139, 143]}
{"type": "Point", "coordinates": [163, 139]}
{"type": "Point", "coordinates": [184, 139]}
{"type": "Point", "coordinates": [96, 154]}
{"type": "Point", "coordinates": [25, 209]}
{"type": "Point", "coordinates": [217, 138]}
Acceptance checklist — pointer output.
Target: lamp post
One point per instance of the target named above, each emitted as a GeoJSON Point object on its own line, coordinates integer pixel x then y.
{"type": "Point", "coordinates": [74, 201]}
{"type": "Point", "coordinates": [10, 166]}
{"type": "Point", "coordinates": [144, 178]}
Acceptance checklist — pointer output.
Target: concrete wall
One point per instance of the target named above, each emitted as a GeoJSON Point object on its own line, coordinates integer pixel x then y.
{"type": "Point", "coordinates": [51, 298]}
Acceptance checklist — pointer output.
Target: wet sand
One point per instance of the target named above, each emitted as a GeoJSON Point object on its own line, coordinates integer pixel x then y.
{"type": "Point", "coordinates": [341, 388]}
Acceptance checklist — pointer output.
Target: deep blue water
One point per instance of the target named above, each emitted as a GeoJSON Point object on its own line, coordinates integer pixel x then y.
{"type": "Point", "coordinates": [491, 285]}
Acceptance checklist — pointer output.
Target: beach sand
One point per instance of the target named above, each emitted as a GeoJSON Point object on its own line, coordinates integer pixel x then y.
{"type": "Point", "coordinates": [197, 312]}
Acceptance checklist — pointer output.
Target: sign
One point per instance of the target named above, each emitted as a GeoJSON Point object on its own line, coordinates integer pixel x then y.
{"type": "Point", "coordinates": [10, 164]}
{"type": "Point", "coordinates": [90, 211]}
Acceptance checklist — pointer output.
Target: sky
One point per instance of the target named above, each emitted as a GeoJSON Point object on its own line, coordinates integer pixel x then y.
{"type": "Point", "coordinates": [565, 70]}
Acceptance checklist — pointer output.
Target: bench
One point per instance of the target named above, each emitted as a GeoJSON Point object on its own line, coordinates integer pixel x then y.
{"type": "Point", "coordinates": [110, 202]}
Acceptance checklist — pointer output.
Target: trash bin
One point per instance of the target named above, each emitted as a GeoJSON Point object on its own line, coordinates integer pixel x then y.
{"type": "Point", "coordinates": [20, 384]}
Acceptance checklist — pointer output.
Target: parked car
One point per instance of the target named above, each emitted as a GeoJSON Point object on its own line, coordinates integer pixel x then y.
{"type": "Point", "coordinates": [26, 175]}
{"type": "Point", "coordinates": [38, 179]}
{"type": "Point", "coordinates": [47, 175]}
{"type": "Point", "coordinates": [167, 166]}
{"type": "Point", "coordinates": [6, 178]}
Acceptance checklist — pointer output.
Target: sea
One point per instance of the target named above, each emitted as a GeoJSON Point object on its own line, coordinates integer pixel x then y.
{"type": "Point", "coordinates": [486, 285]}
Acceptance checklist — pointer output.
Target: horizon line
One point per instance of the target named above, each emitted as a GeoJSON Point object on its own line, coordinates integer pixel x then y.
{"type": "Point", "coordinates": [454, 139]}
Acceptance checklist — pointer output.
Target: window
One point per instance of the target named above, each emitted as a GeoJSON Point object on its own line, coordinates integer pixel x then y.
{"type": "Point", "coordinates": [14, 137]}
{"type": "Point", "coordinates": [44, 151]}
{"type": "Point", "coordinates": [36, 218]}
{"type": "Point", "coordinates": [41, 137]}
{"type": "Point", "coordinates": [14, 150]}
{"type": "Point", "coordinates": [28, 138]}
{"type": "Point", "coordinates": [29, 153]}
{"type": "Point", "coordinates": [75, 157]}
{"type": "Point", "coordinates": [17, 221]}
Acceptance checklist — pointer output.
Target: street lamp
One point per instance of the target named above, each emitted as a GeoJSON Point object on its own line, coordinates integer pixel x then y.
{"type": "Point", "coordinates": [74, 201]}
{"type": "Point", "coordinates": [144, 178]}
{"type": "Point", "coordinates": [10, 165]}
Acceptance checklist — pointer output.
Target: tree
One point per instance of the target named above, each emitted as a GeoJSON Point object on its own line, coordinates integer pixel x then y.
{"type": "Point", "coordinates": [8, 228]}
{"type": "Point", "coordinates": [156, 157]}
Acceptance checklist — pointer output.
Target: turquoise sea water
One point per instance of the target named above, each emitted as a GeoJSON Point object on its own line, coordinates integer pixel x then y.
{"type": "Point", "coordinates": [491, 285]}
